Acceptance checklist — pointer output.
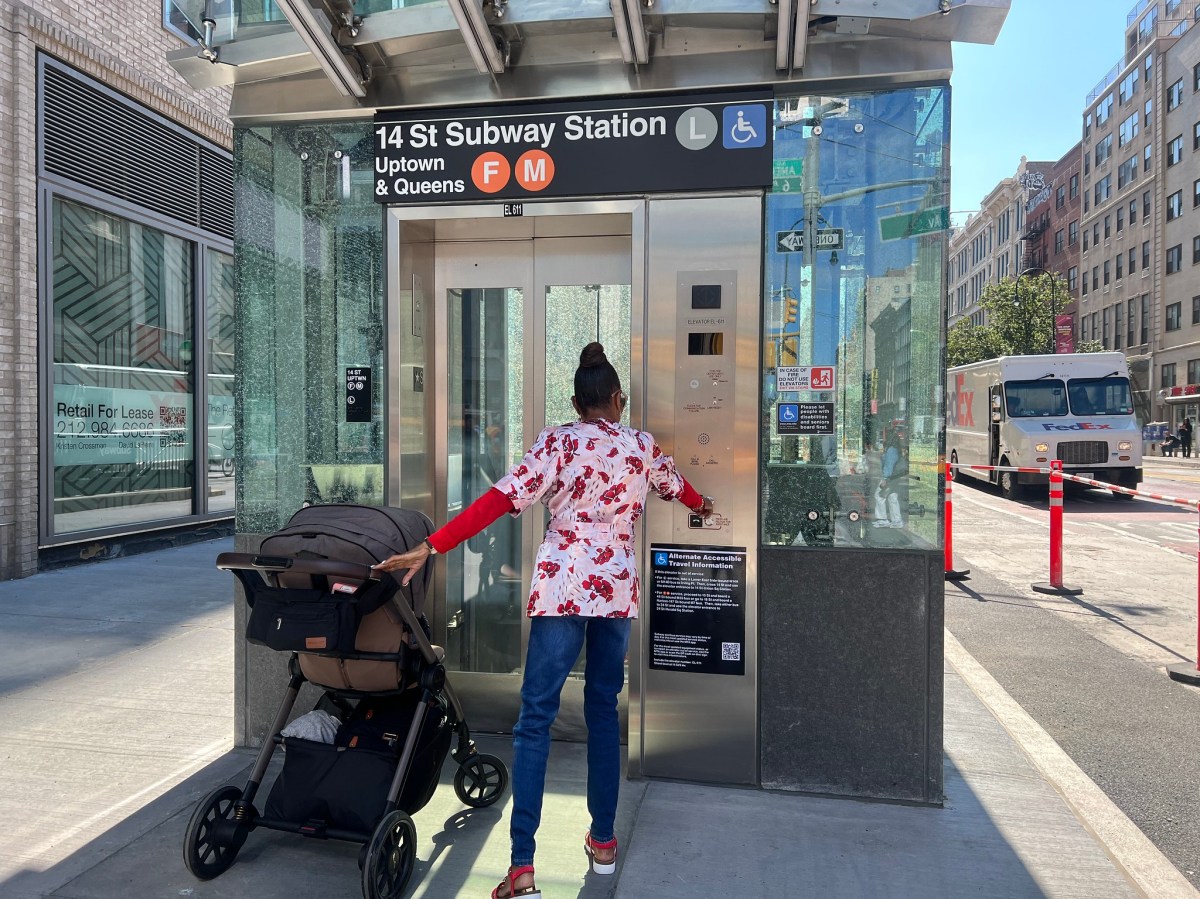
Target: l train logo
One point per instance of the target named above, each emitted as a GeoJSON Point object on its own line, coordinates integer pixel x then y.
{"type": "Point", "coordinates": [960, 412]}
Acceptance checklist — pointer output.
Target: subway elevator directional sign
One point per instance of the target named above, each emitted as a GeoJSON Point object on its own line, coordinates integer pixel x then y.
{"type": "Point", "coordinates": [562, 149]}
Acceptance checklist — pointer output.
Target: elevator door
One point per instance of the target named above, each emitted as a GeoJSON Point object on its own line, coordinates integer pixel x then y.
{"type": "Point", "coordinates": [517, 314]}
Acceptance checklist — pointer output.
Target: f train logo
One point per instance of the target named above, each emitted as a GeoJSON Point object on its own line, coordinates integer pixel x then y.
{"type": "Point", "coordinates": [959, 411]}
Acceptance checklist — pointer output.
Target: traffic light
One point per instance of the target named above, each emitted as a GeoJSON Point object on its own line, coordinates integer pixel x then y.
{"type": "Point", "coordinates": [770, 348]}
{"type": "Point", "coordinates": [791, 310]}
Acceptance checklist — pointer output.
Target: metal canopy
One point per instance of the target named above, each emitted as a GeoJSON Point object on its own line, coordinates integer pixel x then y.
{"type": "Point", "coordinates": [316, 28]}
{"type": "Point", "coordinates": [333, 63]}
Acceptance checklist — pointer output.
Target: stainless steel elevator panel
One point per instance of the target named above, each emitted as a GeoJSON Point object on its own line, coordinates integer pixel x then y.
{"type": "Point", "coordinates": [702, 375]}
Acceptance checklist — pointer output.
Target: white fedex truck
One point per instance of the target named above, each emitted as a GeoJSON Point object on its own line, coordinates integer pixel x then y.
{"type": "Point", "coordinates": [1024, 411]}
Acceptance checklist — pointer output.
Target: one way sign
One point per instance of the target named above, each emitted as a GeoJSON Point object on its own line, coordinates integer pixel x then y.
{"type": "Point", "coordinates": [793, 241]}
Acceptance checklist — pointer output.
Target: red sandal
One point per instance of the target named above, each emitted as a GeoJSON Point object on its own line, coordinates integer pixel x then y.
{"type": "Point", "coordinates": [509, 883]}
{"type": "Point", "coordinates": [590, 846]}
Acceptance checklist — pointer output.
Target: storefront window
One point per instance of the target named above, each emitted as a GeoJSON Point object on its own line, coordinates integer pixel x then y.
{"type": "Point", "coordinates": [309, 303]}
{"type": "Point", "coordinates": [122, 401]}
{"type": "Point", "coordinates": [855, 255]}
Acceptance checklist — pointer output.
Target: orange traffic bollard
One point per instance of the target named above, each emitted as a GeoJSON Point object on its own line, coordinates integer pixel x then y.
{"type": "Point", "coordinates": [1056, 586]}
{"type": "Point", "coordinates": [951, 573]}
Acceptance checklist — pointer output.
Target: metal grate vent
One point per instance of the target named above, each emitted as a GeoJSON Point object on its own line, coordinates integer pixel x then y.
{"type": "Point", "coordinates": [1083, 452]}
{"type": "Point", "coordinates": [99, 141]}
{"type": "Point", "coordinates": [216, 193]}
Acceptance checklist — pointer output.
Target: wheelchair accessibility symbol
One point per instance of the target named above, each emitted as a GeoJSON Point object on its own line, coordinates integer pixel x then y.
{"type": "Point", "coordinates": [660, 559]}
{"type": "Point", "coordinates": [744, 126]}
{"type": "Point", "coordinates": [789, 413]}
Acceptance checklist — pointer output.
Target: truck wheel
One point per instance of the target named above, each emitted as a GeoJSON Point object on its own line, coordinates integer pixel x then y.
{"type": "Point", "coordinates": [1010, 488]}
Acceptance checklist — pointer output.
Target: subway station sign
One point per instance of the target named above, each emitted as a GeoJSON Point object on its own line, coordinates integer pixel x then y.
{"type": "Point", "coordinates": [649, 144]}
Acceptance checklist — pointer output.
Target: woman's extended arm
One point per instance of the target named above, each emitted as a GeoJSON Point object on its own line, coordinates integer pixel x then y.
{"type": "Point", "coordinates": [466, 524]}
{"type": "Point", "coordinates": [701, 505]}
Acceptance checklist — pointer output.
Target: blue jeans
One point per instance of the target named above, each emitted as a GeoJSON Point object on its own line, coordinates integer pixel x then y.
{"type": "Point", "coordinates": [554, 645]}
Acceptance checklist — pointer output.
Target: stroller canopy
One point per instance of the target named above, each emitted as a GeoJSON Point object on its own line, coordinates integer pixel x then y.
{"type": "Point", "coordinates": [351, 533]}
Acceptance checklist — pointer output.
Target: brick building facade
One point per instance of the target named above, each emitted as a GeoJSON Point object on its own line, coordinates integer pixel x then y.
{"type": "Point", "coordinates": [119, 57]}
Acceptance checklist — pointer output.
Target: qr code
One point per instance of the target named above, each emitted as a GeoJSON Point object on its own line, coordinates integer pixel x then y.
{"type": "Point", "coordinates": [731, 652]}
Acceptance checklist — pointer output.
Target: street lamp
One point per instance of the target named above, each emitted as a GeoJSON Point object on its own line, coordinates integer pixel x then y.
{"type": "Point", "coordinates": [1037, 270]}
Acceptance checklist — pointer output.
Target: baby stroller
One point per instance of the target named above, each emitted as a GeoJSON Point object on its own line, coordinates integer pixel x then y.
{"type": "Point", "coordinates": [361, 637]}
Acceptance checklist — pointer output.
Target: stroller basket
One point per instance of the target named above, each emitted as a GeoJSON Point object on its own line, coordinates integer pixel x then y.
{"type": "Point", "coordinates": [360, 635]}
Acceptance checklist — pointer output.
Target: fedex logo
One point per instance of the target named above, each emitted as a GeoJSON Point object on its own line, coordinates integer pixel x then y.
{"type": "Point", "coordinates": [1078, 426]}
{"type": "Point", "coordinates": [960, 412]}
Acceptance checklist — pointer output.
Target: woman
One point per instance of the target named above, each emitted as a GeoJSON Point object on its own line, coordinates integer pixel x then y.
{"type": "Point", "coordinates": [593, 475]}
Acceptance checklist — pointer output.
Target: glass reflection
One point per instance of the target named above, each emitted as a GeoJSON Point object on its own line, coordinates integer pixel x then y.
{"type": "Point", "coordinates": [123, 363]}
{"type": "Point", "coordinates": [484, 595]}
{"type": "Point", "coordinates": [856, 241]}
{"type": "Point", "coordinates": [581, 313]}
{"type": "Point", "coordinates": [246, 19]}
{"type": "Point", "coordinates": [309, 253]}
{"type": "Point", "coordinates": [220, 382]}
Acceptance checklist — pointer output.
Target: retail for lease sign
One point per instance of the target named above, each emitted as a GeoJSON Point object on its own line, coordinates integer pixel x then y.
{"type": "Point", "coordinates": [109, 425]}
{"type": "Point", "coordinates": [713, 141]}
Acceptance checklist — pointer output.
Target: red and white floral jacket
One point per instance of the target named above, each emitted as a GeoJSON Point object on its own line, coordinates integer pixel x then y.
{"type": "Point", "coordinates": [594, 477]}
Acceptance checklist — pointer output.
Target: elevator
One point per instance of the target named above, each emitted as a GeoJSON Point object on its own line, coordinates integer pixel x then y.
{"type": "Point", "coordinates": [487, 313]}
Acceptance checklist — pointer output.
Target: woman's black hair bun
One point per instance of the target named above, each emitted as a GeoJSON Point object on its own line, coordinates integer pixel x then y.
{"type": "Point", "coordinates": [593, 354]}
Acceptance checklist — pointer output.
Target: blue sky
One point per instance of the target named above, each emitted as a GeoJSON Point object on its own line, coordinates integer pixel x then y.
{"type": "Point", "coordinates": [1024, 95]}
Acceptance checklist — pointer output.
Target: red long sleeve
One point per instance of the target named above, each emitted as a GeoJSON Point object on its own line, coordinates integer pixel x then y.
{"type": "Point", "coordinates": [471, 520]}
{"type": "Point", "coordinates": [690, 497]}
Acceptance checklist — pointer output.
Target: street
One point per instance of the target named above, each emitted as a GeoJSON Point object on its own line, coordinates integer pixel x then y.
{"type": "Point", "coordinates": [1090, 669]}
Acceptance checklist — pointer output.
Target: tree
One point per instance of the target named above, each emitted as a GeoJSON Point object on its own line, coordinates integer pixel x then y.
{"type": "Point", "coordinates": [967, 343]}
{"type": "Point", "coordinates": [1020, 321]}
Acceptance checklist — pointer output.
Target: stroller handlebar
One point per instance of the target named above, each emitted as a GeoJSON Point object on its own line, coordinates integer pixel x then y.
{"type": "Point", "coordinates": [276, 564]}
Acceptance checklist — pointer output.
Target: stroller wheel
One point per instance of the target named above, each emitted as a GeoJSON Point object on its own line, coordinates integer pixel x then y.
{"type": "Point", "coordinates": [391, 857]}
{"type": "Point", "coordinates": [480, 780]}
{"type": "Point", "coordinates": [213, 837]}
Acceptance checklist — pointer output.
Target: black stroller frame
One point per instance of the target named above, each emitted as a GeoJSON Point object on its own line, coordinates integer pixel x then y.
{"type": "Point", "coordinates": [223, 820]}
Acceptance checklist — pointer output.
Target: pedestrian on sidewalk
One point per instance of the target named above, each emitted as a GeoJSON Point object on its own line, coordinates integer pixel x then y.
{"type": "Point", "coordinates": [593, 475]}
{"type": "Point", "coordinates": [893, 483]}
{"type": "Point", "coordinates": [1185, 437]}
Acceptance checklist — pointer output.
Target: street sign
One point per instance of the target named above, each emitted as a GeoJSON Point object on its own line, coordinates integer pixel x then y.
{"type": "Point", "coordinates": [910, 224]}
{"type": "Point", "coordinates": [793, 241]}
{"type": "Point", "coordinates": [787, 176]}
{"type": "Point", "coordinates": [788, 168]}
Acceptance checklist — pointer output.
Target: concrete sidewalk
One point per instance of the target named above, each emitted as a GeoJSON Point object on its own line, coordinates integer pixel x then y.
{"type": "Point", "coordinates": [117, 714]}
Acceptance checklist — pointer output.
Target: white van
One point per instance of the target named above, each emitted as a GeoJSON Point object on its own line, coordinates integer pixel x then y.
{"type": "Point", "coordinates": [1024, 411]}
